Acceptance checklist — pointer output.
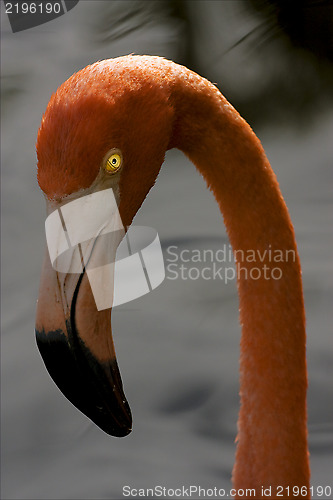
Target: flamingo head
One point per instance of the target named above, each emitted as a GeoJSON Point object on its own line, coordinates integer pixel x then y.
{"type": "Point", "coordinates": [106, 128]}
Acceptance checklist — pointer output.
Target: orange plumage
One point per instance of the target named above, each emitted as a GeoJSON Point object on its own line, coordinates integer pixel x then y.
{"type": "Point", "coordinates": [144, 106]}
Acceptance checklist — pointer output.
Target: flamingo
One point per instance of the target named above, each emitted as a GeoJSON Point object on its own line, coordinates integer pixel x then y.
{"type": "Point", "coordinates": [129, 111]}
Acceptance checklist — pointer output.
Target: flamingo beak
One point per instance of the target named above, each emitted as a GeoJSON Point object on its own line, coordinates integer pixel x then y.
{"type": "Point", "coordinates": [73, 320]}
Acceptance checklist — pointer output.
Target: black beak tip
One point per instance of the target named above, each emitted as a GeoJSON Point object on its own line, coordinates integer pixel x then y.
{"type": "Point", "coordinates": [115, 431]}
{"type": "Point", "coordinates": [94, 388]}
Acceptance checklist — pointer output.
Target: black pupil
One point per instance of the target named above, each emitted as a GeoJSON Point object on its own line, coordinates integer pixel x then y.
{"type": "Point", "coordinates": [114, 161]}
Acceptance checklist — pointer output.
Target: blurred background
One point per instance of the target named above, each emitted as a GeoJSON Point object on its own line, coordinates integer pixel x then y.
{"type": "Point", "coordinates": [177, 347]}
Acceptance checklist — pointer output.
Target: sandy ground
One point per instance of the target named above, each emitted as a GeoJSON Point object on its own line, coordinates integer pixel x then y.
{"type": "Point", "coordinates": [178, 346]}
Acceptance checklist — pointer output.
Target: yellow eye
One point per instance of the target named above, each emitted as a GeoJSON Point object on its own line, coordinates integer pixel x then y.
{"type": "Point", "coordinates": [113, 161]}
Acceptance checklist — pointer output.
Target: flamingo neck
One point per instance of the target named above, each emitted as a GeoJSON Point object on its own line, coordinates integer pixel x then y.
{"type": "Point", "coordinates": [272, 435]}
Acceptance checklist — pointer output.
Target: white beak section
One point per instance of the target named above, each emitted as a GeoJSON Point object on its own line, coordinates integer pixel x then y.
{"type": "Point", "coordinates": [85, 234]}
{"type": "Point", "coordinates": [71, 231]}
